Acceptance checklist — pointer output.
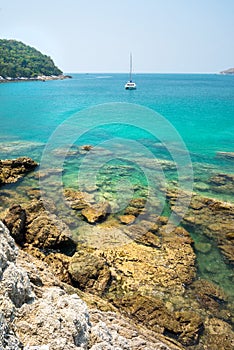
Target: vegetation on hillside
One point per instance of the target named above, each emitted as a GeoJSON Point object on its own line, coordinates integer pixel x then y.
{"type": "Point", "coordinates": [20, 60]}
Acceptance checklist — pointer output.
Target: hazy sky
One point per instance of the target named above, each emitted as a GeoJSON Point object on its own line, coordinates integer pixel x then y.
{"type": "Point", "coordinates": [97, 35]}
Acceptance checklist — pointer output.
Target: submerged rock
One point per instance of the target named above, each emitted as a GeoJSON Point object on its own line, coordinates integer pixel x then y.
{"type": "Point", "coordinates": [208, 294]}
{"type": "Point", "coordinates": [87, 147]}
{"type": "Point", "coordinates": [222, 183]}
{"type": "Point", "coordinates": [135, 207]}
{"type": "Point", "coordinates": [150, 239]}
{"type": "Point", "coordinates": [96, 212]}
{"type": "Point", "coordinates": [203, 247]}
{"type": "Point", "coordinates": [153, 263]}
{"type": "Point", "coordinates": [127, 219]}
{"type": "Point", "coordinates": [212, 218]}
{"type": "Point", "coordinates": [226, 155]}
{"type": "Point", "coordinates": [13, 170]}
{"type": "Point", "coordinates": [78, 200]}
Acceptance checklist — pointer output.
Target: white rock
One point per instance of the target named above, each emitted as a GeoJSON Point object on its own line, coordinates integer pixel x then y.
{"type": "Point", "coordinates": [61, 321]}
{"type": "Point", "coordinates": [52, 319]}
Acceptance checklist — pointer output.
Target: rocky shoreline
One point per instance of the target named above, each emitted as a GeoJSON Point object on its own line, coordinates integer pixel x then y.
{"type": "Point", "coordinates": [38, 78]}
{"type": "Point", "coordinates": [229, 71]}
{"type": "Point", "coordinates": [142, 294]}
{"type": "Point", "coordinates": [40, 312]}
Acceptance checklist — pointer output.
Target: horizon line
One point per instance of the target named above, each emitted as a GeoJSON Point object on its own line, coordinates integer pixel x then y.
{"type": "Point", "coordinates": [102, 72]}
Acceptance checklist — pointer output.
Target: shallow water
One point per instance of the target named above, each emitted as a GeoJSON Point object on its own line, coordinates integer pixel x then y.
{"type": "Point", "coordinates": [133, 155]}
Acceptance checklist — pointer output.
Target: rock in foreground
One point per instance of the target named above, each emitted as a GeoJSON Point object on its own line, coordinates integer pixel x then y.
{"type": "Point", "coordinates": [37, 313]}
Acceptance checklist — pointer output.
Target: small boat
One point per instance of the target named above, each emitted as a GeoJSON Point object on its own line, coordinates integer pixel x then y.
{"type": "Point", "coordinates": [130, 85]}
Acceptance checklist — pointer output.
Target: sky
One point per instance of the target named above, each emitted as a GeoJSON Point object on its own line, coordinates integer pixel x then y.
{"type": "Point", "coordinates": [164, 36]}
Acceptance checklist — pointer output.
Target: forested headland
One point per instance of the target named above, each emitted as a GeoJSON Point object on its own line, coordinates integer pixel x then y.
{"type": "Point", "coordinates": [20, 60]}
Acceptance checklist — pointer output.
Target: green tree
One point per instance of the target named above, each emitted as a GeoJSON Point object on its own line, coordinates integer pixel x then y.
{"type": "Point", "coordinates": [18, 60]}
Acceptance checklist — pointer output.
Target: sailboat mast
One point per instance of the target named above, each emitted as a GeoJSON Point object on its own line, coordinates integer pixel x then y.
{"type": "Point", "coordinates": [130, 85]}
{"type": "Point", "coordinates": [130, 77]}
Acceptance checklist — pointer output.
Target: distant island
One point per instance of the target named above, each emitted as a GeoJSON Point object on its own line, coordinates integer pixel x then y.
{"type": "Point", "coordinates": [19, 62]}
{"type": "Point", "coordinates": [228, 71]}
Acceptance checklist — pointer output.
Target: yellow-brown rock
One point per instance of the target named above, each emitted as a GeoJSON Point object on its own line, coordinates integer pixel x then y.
{"type": "Point", "coordinates": [127, 219]}
{"type": "Point", "coordinates": [151, 311]}
{"type": "Point", "coordinates": [90, 272]}
{"type": "Point", "coordinates": [11, 170]}
{"type": "Point", "coordinates": [214, 218]}
{"type": "Point", "coordinates": [96, 213]}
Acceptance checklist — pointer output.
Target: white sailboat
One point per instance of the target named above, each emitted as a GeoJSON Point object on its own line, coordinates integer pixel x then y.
{"type": "Point", "coordinates": [130, 85]}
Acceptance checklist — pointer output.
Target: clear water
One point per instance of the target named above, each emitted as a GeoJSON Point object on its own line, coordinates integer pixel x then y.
{"type": "Point", "coordinates": [199, 107]}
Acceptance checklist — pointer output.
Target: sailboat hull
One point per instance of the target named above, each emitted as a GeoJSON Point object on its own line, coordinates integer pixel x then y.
{"type": "Point", "coordinates": [130, 86]}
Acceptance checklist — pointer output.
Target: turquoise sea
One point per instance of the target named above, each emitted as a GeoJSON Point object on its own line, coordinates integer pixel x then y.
{"type": "Point", "coordinates": [200, 107]}
{"type": "Point", "coordinates": [197, 108]}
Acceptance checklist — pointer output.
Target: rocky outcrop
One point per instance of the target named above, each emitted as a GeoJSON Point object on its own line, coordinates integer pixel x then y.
{"type": "Point", "coordinates": [214, 218]}
{"type": "Point", "coordinates": [143, 271]}
{"type": "Point", "coordinates": [55, 319]}
{"type": "Point", "coordinates": [15, 290]}
{"type": "Point", "coordinates": [13, 170]}
{"type": "Point", "coordinates": [45, 231]}
{"type": "Point", "coordinates": [113, 332]}
{"type": "Point", "coordinates": [78, 200]}
{"type": "Point", "coordinates": [151, 280]}
{"type": "Point", "coordinates": [42, 235]}
{"type": "Point", "coordinates": [8, 339]}
{"type": "Point", "coordinates": [15, 220]}
{"type": "Point", "coordinates": [154, 262]}
{"type": "Point", "coordinates": [218, 335]}
{"type": "Point", "coordinates": [151, 311]}
{"type": "Point", "coordinates": [228, 71]}
{"type": "Point", "coordinates": [90, 272]}
{"type": "Point", "coordinates": [35, 226]}
{"type": "Point", "coordinates": [151, 260]}
{"type": "Point", "coordinates": [36, 312]}
{"type": "Point", "coordinates": [38, 78]}
{"type": "Point", "coordinates": [61, 321]}
{"type": "Point", "coordinates": [158, 262]}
